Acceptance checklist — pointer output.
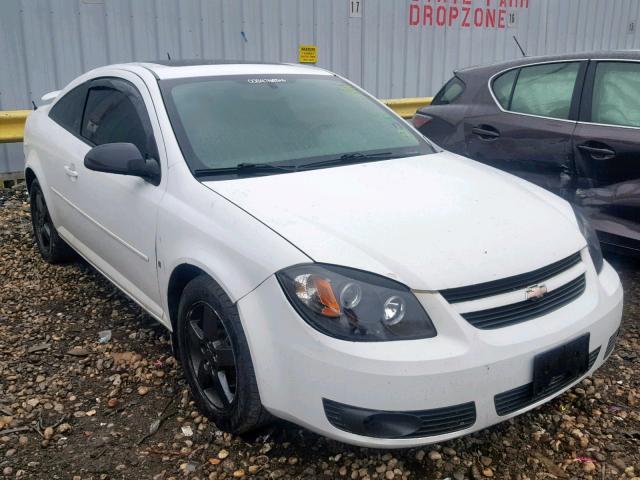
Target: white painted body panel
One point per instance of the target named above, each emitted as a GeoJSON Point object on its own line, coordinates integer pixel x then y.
{"type": "Point", "coordinates": [432, 222]}
{"type": "Point", "coordinates": [297, 366]}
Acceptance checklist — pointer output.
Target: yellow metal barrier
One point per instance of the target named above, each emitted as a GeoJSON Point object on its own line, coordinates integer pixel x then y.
{"type": "Point", "coordinates": [12, 125]}
{"type": "Point", "coordinates": [12, 122]}
{"type": "Point", "coordinates": [406, 107]}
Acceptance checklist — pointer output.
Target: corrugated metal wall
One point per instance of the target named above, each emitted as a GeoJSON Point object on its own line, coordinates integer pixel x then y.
{"type": "Point", "coordinates": [46, 43]}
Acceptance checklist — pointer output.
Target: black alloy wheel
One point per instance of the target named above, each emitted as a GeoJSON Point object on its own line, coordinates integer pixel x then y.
{"type": "Point", "coordinates": [42, 225]}
{"type": "Point", "coordinates": [215, 357]}
{"type": "Point", "coordinates": [211, 357]}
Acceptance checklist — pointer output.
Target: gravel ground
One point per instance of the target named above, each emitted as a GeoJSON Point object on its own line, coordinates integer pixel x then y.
{"type": "Point", "coordinates": [74, 408]}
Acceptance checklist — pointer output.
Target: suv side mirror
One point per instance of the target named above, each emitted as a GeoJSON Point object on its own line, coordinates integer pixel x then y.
{"type": "Point", "coordinates": [122, 159]}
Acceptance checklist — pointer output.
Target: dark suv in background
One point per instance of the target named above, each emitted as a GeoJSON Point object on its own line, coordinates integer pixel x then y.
{"type": "Point", "coordinates": [569, 123]}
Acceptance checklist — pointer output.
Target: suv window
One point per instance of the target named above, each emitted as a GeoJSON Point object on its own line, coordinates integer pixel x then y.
{"type": "Point", "coordinates": [67, 112]}
{"type": "Point", "coordinates": [615, 98]}
{"type": "Point", "coordinates": [545, 90]}
{"type": "Point", "coordinates": [115, 112]}
{"type": "Point", "coordinates": [450, 92]}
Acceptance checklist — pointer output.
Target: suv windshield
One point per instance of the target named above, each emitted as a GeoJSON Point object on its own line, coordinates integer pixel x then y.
{"type": "Point", "coordinates": [287, 121]}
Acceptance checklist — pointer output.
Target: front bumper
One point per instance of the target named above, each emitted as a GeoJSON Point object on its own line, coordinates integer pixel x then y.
{"type": "Point", "coordinates": [298, 368]}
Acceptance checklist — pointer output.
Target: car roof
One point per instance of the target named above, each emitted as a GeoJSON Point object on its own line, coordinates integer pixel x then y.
{"type": "Point", "coordinates": [598, 54]}
{"type": "Point", "coordinates": [171, 69]}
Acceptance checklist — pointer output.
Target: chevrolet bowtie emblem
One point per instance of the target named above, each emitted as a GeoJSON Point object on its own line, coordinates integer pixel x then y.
{"type": "Point", "coordinates": [536, 292]}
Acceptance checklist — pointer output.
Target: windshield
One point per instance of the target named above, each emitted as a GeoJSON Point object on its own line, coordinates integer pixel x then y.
{"type": "Point", "coordinates": [287, 120]}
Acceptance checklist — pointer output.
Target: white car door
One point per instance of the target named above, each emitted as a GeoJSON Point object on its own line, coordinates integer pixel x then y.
{"type": "Point", "coordinates": [61, 142]}
{"type": "Point", "coordinates": [114, 216]}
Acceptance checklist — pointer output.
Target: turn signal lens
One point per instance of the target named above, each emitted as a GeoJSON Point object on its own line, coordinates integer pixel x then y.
{"type": "Point", "coordinates": [316, 292]}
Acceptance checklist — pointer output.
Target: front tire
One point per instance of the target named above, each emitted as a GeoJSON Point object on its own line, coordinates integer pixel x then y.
{"type": "Point", "coordinates": [51, 247]}
{"type": "Point", "coordinates": [215, 358]}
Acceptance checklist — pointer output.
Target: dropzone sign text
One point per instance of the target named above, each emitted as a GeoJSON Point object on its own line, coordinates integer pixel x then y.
{"type": "Point", "coordinates": [465, 13]}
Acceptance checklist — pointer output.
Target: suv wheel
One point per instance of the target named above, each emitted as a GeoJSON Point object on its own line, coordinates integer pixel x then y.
{"type": "Point", "coordinates": [215, 357]}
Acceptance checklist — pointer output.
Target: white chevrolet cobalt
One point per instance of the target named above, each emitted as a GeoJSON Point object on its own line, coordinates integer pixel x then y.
{"type": "Point", "coordinates": [315, 257]}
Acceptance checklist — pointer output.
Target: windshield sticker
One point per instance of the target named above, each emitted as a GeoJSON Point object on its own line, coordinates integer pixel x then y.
{"type": "Point", "coordinates": [266, 80]}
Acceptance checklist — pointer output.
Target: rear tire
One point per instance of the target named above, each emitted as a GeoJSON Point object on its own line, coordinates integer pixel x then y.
{"type": "Point", "coordinates": [215, 357]}
{"type": "Point", "coordinates": [51, 247]}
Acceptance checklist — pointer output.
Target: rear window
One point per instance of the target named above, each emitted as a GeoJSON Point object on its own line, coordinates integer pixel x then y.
{"type": "Point", "coordinates": [503, 87]}
{"type": "Point", "coordinates": [450, 92]}
{"type": "Point", "coordinates": [67, 112]}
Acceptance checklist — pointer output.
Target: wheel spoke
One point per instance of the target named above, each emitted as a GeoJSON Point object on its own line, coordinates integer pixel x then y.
{"type": "Point", "coordinates": [195, 333]}
{"type": "Point", "coordinates": [46, 232]}
{"type": "Point", "coordinates": [204, 375]}
{"type": "Point", "coordinates": [224, 356]}
{"type": "Point", "coordinates": [221, 386]}
{"type": "Point", "coordinates": [40, 205]}
{"type": "Point", "coordinates": [210, 323]}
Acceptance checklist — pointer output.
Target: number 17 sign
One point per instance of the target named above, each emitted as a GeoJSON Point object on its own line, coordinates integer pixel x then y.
{"type": "Point", "coordinates": [355, 8]}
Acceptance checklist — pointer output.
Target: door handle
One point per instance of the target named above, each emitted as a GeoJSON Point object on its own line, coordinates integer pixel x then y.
{"type": "Point", "coordinates": [485, 132]}
{"type": "Point", "coordinates": [70, 171]}
{"type": "Point", "coordinates": [598, 153]}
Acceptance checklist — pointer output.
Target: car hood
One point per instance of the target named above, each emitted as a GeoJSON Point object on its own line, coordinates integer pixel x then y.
{"type": "Point", "coordinates": [431, 222]}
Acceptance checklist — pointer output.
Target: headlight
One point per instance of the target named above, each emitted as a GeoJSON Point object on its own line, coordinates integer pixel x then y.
{"type": "Point", "coordinates": [355, 305]}
{"type": "Point", "coordinates": [591, 237]}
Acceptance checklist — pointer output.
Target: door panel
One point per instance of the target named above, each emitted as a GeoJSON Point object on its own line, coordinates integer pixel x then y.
{"type": "Point", "coordinates": [608, 155]}
{"type": "Point", "coordinates": [63, 145]}
{"type": "Point", "coordinates": [536, 149]}
{"type": "Point", "coordinates": [525, 127]}
{"type": "Point", "coordinates": [444, 126]}
{"type": "Point", "coordinates": [114, 220]}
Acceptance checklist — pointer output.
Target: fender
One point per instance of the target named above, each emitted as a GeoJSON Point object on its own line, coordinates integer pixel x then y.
{"type": "Point", "coordinates": [35, 122]}
{"type": "Point", "coordinates": [221, 240]}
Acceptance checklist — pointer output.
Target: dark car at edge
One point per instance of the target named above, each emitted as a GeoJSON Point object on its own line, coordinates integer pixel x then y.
{"type": "Point", "coordinates": [569, 123]}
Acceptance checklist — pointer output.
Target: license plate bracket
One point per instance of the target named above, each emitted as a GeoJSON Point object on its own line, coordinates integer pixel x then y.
{"type": "Point", "coordinates": [560, 365]}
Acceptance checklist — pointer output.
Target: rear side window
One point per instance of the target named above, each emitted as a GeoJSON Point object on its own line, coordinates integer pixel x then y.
{"type": "Point", "coordinates": [450, 92]}
{"type": "Point", "coordinates": [503, 87]}
{"type": "Point", "coordinates": [114, 115]}
{"type": "Point", "coordinates": [67, 112]}
{"type": "Point", "coordinates": [545, 90]}
{"type": "Point", "coordinates": [616, 97]}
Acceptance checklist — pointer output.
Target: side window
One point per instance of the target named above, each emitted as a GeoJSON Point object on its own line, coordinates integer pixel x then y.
{"type": "Point", "coordinates": [545, 90]}
{"type": "Point", "coordinates": [616, 98]}
{"type": "Point", "coordinates": [450, 92]}
{"type": "Point", "coordinates": [503, 87]}
{"type": "Point", "coordinates": [116, 113]}
{"type": "Point", "coordinates": [67, 112]}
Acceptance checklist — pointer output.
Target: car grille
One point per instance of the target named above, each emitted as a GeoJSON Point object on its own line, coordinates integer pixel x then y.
{"type": "Point", "coordinates": [426, 423]}
{"type": "Point", "coordinates": [521, 397]}
{"type": "Point", "coordinates": [521, 311]}
{"type": "Point", "coordinates": [509, 284]}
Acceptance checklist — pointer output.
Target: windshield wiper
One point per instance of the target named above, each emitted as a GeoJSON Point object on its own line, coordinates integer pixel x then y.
{"type": "Point", "coordinates": [353, 157]}
{"type": "Point", "coordinates": [244, 168]}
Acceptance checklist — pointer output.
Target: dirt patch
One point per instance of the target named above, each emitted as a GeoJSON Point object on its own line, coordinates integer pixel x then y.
{"type": "Point", "coordinates": [72, 407]}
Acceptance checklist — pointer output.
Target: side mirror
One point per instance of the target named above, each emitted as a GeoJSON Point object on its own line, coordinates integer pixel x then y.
{"type": "Point", "coordinates": [122, 159]}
